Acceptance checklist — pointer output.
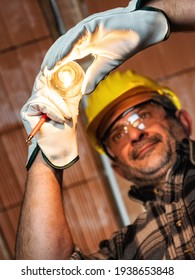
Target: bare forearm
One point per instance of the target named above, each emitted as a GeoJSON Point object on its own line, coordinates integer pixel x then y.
{"type": "Point", "coordinates": [181, 13]}
{"type": "Point", "coordinates": [43, 232]}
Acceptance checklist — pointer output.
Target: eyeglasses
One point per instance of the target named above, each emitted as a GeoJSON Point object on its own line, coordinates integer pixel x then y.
{"type": "Point", "coordinates": [141, 117]}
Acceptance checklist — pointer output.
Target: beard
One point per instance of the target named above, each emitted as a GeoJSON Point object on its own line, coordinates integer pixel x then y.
{"type": "Point", "coordinates": [151, 166]}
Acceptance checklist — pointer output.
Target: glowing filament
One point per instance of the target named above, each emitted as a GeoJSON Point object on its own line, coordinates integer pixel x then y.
{"type": "Point", "coordinates": [67, 80]}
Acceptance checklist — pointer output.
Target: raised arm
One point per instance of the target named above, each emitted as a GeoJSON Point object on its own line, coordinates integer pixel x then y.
{"type": "Point", "coordinates": [181, 14]}
{"type": "Point", "coordinates": [43, 231]}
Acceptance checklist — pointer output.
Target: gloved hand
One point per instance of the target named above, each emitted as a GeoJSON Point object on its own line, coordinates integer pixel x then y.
{"type": "Point", "coordinates": [57, 136]}
{"type": "Point", "coordinates": [111, 37]}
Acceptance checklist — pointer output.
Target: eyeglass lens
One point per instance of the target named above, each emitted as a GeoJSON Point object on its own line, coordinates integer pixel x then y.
{"type": "Point", "coordinates": [141, 118]}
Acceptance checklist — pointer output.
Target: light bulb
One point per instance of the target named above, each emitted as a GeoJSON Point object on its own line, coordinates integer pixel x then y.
{"type": "Point", "coordinates": [67, 79]}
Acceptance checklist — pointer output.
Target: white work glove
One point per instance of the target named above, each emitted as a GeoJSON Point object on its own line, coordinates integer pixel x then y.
{"type": "Point", "coordinates": [57, 136]}
{"type": "Point", "coordinates": [111, 37]}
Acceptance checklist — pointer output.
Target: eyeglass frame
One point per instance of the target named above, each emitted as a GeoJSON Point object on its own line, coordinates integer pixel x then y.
{"type": "Point", "coordinates": [171, 112]}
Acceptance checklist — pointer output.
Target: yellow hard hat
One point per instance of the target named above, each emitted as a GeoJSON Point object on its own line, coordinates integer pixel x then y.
{"type": "Point", "coordinates": [117, 87]}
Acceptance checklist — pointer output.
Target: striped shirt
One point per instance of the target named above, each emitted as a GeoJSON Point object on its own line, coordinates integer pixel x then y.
{"type": "Point", "coordinates": [166, 229]}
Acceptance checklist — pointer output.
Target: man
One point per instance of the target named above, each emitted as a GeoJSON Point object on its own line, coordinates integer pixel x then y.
{"type": "Point", "coordinates": [140, 126]}
{"type": "Point", "coordinates": [146, 137]}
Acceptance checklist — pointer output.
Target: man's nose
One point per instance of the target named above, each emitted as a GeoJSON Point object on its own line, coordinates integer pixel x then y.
{"type": "Point", "coordinates": [135, 134]}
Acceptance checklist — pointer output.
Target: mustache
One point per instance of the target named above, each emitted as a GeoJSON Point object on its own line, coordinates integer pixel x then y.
{"type": "Point", "coordinates": [139, 145]}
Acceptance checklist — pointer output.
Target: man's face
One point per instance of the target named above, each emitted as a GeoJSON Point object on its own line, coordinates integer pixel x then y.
{"type": "Point", "coordinates": [144, 150]}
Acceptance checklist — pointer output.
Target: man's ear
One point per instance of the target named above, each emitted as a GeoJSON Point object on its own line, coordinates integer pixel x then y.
{"type": "Point", "coordinates": [186, 120]}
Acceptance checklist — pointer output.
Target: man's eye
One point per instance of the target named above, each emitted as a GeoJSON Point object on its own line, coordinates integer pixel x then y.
{"type": "Point", "coordinates": [117, 135]}
{"type": "Point", "coordinates": [145, 115]}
